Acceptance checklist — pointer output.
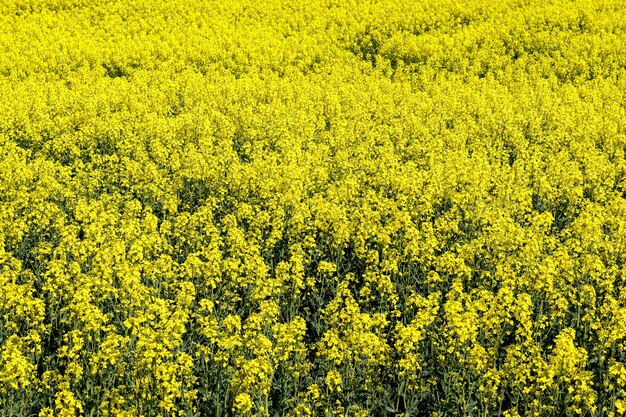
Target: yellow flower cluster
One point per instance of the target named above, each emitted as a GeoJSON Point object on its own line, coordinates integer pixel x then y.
{"type": "Point", "coordinates": [312, 208]}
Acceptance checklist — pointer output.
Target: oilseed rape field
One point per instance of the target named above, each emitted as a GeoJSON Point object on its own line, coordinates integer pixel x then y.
{"type": "Point", "coordinates": [283, 208]}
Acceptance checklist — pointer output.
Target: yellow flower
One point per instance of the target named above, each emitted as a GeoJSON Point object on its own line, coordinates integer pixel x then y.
{"type": "Point", "coordinates": [333, 381]}
{"type": "Point", "coordinates": [242, 404]}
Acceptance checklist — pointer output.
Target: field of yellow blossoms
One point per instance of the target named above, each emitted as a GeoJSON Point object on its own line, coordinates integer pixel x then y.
{"type": "Point", "coordinates": [281, 208]}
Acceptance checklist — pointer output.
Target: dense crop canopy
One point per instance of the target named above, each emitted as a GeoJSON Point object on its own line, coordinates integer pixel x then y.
{"type": "Point", "coordinates": [312, 208]}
